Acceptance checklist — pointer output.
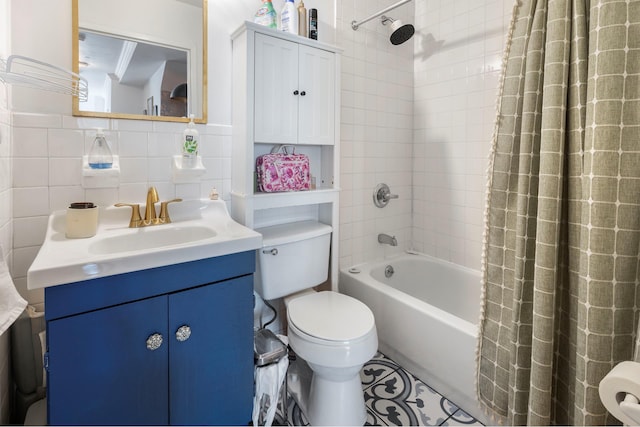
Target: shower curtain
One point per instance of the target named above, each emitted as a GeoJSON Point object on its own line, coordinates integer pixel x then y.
{"type": "Point", "coordinates": [561, 283]}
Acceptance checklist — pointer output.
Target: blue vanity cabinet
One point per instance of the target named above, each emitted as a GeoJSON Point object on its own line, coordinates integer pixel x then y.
{"type": "Point", "coordinates": [107, 364]}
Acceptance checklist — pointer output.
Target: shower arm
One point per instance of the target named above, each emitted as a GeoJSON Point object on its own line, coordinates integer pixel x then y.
{"type": "Point", "coordinates": [355, 25]}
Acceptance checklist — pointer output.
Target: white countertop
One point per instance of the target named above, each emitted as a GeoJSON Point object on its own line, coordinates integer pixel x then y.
{"type": "Point", "coordinates": [201, 229]}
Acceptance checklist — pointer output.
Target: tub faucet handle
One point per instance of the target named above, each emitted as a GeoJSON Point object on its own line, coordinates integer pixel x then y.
{"type": "Point", "coordinates": [388, 196]}
{"type": "Point", "coordinates": [382, 195]}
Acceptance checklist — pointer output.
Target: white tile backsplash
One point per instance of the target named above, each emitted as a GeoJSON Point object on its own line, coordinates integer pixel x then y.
{"type": "Point", "coordinates": [30, 142]}
{"type": "Point", "coordinates": [29, 231]}
{"type": "Point", "coordinates": [30, 201]}
{"type": "Point", "coordinates": [66, 142]}
{"type": "Point", "coordinates": [60, 197]}
{"type": "Point", "coordinates": [133, 169]}
{"type": "Point", "coordinates": [34, 120]}
{"type": "Point", "coordinates": [65, 171]}
{"type": "Point", "coordinates": [22, 259]}
{"type": "Point", "coordinates": [30, 172]}
{"type": "Point", "coordinates": [133, 144]}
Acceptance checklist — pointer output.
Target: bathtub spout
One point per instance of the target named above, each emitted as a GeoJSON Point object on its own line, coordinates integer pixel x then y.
{"type": "Point", "coordinates": [387, 240]}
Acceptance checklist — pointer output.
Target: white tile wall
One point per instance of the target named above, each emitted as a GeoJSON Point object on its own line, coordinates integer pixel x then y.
{"type": "Point", "coordinates": [47, 153]}
{"type": "Point", "coordinates": [418, 116]}
{"type": "Point", "coordinates": [458, 54]}
{"type": "Point", "coordinates": [376, 132]}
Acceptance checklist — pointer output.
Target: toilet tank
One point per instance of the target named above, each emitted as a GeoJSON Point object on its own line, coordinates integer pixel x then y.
{"type": "Point", "coordinates": [293, 257]}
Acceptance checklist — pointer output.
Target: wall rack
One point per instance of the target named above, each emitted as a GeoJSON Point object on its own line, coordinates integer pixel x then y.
{"type": "Point", "coordinates": [28, 72]}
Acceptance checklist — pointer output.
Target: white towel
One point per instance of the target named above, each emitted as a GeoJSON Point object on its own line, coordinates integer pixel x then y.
{"type": "Point", "coordinates": [11, 303]}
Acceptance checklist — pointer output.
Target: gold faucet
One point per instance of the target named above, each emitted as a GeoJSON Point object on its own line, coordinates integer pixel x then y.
{"type": "Point", "coordinates": [150, 217]}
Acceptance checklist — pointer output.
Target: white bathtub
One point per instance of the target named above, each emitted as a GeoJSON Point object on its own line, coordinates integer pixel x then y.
{"type": "Point", "coordinates": [426, 315]}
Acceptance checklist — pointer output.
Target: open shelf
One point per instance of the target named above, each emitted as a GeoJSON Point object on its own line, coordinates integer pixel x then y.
{"type": "Point", "coordinates": [294, 198]}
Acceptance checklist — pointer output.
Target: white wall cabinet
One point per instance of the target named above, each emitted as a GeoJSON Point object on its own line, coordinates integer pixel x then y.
{"type": "Point", "coordinates": [285, 91]}
{"type": "Point", "coordinates": [294, 93]}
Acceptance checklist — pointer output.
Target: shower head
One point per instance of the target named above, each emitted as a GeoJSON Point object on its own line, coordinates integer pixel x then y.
{"type": "Point", "coordinates": [400, 32]}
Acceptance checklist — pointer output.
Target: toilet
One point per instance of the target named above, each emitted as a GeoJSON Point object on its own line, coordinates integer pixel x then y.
{"type": "Point", "coordinates": [333, 333]}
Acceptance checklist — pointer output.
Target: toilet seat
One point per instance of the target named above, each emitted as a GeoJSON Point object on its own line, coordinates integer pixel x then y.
{"type": "Point", "coordinates": [330, 316]}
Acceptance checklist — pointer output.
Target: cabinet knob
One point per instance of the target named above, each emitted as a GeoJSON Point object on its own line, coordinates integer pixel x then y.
{"type": "Point", "coordinates": [183, 333]}
{"type": "Point", "coordinates": [154, 341]}
{"type": "Point", "coordinates": [295, 92]}
{"type": "Point", "coordinates": [303, 93]}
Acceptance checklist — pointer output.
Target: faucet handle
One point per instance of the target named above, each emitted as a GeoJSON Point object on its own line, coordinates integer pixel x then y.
{"type": "Point", "coordinates": [382, 195]}
{"type": "Point", "coordinates": [164, 211]}
{"type": "Point", "coordinates": [135, 220]}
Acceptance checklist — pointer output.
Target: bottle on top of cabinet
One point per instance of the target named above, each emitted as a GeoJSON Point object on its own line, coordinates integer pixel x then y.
{"type": "Point", "coordinates": [266, 15]}
{"type": "Point", "coordinates": [302, 19]}
{"type": "Point", "coordinates": [313, 24]}
{"type": "Point", "coordinates": [289, 18]}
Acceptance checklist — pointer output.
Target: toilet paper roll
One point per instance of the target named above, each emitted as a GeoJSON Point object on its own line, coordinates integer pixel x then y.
{"type": "Point", "coordinates": [622, 379]}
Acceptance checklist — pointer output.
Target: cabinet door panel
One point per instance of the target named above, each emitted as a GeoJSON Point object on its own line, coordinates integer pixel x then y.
{"type": "Point", "coordinates": [317, 107]}
{"type": "Point", "coordinates": [276, 80]}
{"type": "Point", "coordinates": [100, 370]}
{"type": "Point", "coordinates": [211, 372]}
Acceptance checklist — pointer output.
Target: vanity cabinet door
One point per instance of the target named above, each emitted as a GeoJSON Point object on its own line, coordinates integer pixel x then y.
{"type": "Point", "coordinates": [101, 369]}
{"type": "Point", "coordinates": [211, 354]}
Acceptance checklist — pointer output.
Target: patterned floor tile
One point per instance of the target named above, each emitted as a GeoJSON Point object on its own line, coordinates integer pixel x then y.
{"type": "Point", "coordinates": [401, 399]}
{"type": "Point", "coordinates": [377, 368]}
{"type": "Point", "coordinates": [393, 396]}
{"type": "Point", "coordinates": [460, 418]}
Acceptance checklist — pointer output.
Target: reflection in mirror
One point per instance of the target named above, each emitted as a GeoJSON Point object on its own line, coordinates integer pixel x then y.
{"type": "Point", "coordinates": [123, 74]}
{"type": "Point", "coordinates": [152, 68]}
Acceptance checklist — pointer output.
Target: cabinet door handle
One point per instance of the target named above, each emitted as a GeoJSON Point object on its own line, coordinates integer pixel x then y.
{"type": "Point", "coordinates": [295, 92]}
{"type": "Point", "coordinates": [303, 93]}
{"type": "Point", "coordinates": [183, 333]}
{"type": "Point", "coordinates": [154, 342]}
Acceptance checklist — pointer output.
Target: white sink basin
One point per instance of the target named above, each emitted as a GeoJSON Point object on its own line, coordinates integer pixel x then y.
{"type": "Point", "coordinates": [200, 229]}
{"type": "Point", "coordinates": [151, 237]}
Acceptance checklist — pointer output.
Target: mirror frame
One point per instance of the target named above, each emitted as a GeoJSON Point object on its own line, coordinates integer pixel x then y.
{"type": "Point", "coordinates": [75, 33]}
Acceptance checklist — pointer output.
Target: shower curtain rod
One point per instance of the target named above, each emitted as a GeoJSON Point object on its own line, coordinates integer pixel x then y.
{"type": "Point", "coordinates": [355, 24]}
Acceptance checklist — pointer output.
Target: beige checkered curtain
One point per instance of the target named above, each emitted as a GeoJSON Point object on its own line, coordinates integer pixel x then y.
{"type": "Point", "coordinates": [561, 254]}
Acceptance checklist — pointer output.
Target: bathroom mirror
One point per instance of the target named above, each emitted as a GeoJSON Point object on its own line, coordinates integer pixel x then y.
{"type": "Point", "coordinates": [143, 59]}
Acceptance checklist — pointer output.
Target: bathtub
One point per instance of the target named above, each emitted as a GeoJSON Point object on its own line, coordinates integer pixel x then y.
{"type": "Point", "coordinates": [426, 315]}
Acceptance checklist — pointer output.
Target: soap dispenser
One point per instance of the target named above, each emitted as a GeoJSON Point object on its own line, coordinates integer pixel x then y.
{"type": "Point", "coordinates": [100, 156]}
{"type": "Point", "coordinates": [190, 145]}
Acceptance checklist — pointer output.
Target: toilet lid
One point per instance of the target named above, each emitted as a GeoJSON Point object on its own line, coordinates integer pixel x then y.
{"type": "Point", "coordinates": [331, 316]}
